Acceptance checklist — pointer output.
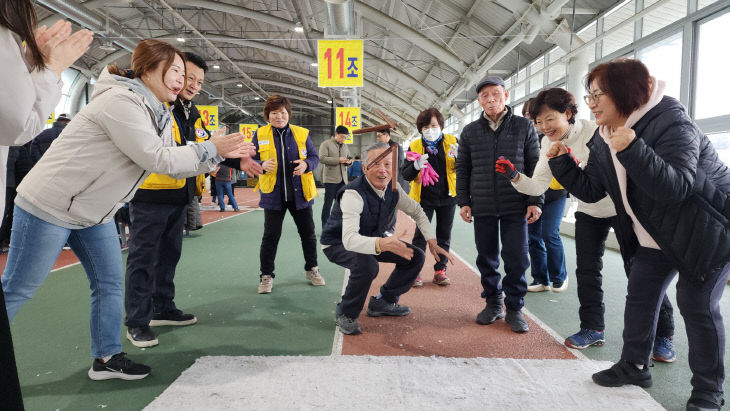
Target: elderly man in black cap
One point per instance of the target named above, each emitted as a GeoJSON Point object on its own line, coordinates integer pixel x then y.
{"type": "Point", "coordinates": [488, 199]}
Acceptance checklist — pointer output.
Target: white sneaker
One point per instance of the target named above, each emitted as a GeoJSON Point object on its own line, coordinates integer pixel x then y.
{"type": "Point", "coordinates": [314, 277]}
{"type": "Point", "coordinates": [560, 287]}
{"type": "Point", "coordinates": [536, 287]}
{"type": "Point", "coordinates": [266, 284]}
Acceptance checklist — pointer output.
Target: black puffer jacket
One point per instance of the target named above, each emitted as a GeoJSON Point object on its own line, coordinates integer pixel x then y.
{"type": "Point", "coordinates": [677, 186]}
{"type": "Point", "coordinates": [477, 184]}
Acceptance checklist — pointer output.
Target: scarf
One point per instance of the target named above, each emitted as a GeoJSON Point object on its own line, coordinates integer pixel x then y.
{"type": "Point", "coordinates": [432, 147]}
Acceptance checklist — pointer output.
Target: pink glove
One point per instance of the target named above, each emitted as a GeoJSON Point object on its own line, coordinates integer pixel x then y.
{"type": "Point", "coordinates": [428, 175]}
{"type": "Point", "coordinates": [412, 155]}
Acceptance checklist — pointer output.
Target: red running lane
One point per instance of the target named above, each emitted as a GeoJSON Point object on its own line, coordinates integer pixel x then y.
{"type": "Point", "coordinates": [443, 321]}
{"type": "Point", "coordinates": [245, 197]}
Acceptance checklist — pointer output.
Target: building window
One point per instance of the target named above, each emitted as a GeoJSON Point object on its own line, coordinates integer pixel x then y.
{"type": "Point", "coordinates": [712, 89]}
{"type": "Point", "coordinates": [664, 61]}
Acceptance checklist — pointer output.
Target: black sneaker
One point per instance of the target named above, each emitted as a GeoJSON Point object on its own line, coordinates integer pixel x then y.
{"type": "Point", "coordinates": [119, 366]}
{"type": "Point", "coordinates": [347, 325]}
{"type": "Point", "coordinates": [175, 317]}
{"type": "Point", "coordinates": [490, 313]}
{"type": "Point", "coordinates": [516, 321]}
{"type": "Point", "coordinates": [378, 307]}
{"type": "Point", "coordinates": [622, 373]}
{"type": "Point", "coordinates": [703, 401]}
{"type": "Point", "coordinates": [141, 336]}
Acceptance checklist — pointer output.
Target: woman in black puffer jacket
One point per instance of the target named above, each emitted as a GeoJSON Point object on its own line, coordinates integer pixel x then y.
{"type": "Point", "coordinates": [671, 193]}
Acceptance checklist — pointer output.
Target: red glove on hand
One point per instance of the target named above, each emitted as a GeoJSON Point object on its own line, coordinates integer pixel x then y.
{"type": "Point", "coordinates": [505, 167]}
{"type": "Point", "coordinates": [570, 153]}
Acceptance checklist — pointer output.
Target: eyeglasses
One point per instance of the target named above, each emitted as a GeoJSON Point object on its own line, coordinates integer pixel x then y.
{"type": "Point", "coordinates": [593, 97]}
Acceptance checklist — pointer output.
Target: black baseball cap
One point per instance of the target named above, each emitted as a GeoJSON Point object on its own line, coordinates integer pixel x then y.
{"type": "Point", "coordinates": [490, 80]}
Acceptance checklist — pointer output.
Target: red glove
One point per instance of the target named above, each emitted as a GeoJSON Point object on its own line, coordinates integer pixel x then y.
{"type": "Point", "coordinates": [570, 153]}
{"type": "Point", "coordinates": [505, 167]}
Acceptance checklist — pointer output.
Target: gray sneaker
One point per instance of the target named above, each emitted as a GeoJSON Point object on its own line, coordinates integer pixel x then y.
{"type": "Point", "coordinates": [516, 321]}
{"type": "Point", "coordinates": [347, 325]}
{"type": "Point", "coordinates": [378, 307]}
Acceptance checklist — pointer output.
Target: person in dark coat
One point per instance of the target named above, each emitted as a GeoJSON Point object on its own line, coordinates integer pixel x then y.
{"type": "Point", "coordinates": [42, 141]}
{"type": "Point", "coordinates": [672, 195]}
{"type": "Point", "coordinates": [288, 157]}
{"type": "Point", "coordinates": [497, 208]}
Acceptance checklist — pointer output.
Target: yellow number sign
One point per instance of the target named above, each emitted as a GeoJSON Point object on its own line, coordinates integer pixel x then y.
{"type": "Point", "coordinates": [340, 63]}
{"type": "Point", "coordinates": [209, 116]}
{"type": "Point", "coordinates": [350, 118]}
{"type": "Point", "coordinates": [247, 130]}
{"type": "Point", "coordinates": [51, 118]}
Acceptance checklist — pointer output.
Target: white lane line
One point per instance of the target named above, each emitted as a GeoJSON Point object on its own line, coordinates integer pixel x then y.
{"type": "Point", "coordinates": [339, 336]}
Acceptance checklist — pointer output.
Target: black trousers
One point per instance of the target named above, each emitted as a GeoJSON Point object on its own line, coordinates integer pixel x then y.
{"type": "Point", "coordinates": [651, 273]}
{"type": "Point", "coordinates": [363, 270]}
{"type": "Point", "coordinates": [330, 193]}
{"type": "Point", "coordinates": [12, 399]}
{"type": "Point", "coordinates": [590, 244]}
{"type": "Point", "coordinates": [273, 220]}
{"type": "Point", "coordinates": [155, 245]}
{"type": "Point", "coordinates": [444, 223]}
{"type": "Point", "coordinates": [512, 230]}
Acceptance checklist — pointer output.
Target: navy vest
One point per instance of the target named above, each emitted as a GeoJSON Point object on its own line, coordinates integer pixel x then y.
{"type": "Point", "coordinates": [376, 212]}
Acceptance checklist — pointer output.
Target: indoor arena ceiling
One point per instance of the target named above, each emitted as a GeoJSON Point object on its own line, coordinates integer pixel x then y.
{"type": "Point", "coordinates": [418, 53]}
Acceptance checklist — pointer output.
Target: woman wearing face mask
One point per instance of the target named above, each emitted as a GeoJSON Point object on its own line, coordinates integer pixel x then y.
{"type": "Point", "coordinates": [437, 151]}
{"type": "Point", "coordinates": [672, 195]}
{"type": "Point", "coordinates": [92, 168]}
{"type": "Point", "coordinates": [554, 112]}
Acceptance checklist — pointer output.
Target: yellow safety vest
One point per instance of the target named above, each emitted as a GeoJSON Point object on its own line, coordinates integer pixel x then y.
{"type": "Point", "coordinates": [165, 182]}
{"type": "Point", "coordinates": [417, 147]}
{"type": "Point", "coordinates": [267, 150]}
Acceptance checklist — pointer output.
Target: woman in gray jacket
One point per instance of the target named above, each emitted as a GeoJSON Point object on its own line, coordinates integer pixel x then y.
{"type": "Point", "coordinates": [30, 89]}
{"type": "Point", "coordinates": [94, 166]}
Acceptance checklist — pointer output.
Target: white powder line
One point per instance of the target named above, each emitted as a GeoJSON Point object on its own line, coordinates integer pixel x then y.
{"type": "Point", "coordinates": [339, 336]}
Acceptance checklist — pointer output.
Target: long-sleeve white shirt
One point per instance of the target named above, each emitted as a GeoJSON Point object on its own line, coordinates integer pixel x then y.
{"type": "Point", "coordinates": [351, 205]}
{"type": "Point", "coordinates": [581, 134]}
{"type": "Point", "coordinates": [26, 99]}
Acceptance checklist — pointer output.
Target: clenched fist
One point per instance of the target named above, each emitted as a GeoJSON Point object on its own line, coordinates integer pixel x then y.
{"type": "Point", "coordinates": [557, 150]}
{"type": "Point", "coordinates": [621, 138]}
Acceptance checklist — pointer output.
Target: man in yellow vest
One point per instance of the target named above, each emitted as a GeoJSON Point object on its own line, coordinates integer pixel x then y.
{"type": "Point", "coordinates": [158, 212]}
{"type": "Point", "coordinates": [437, 151]}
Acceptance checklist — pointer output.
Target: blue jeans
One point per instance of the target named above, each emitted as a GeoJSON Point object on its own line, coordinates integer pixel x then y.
{"type": "Point", "coordinates": [35, 246]}
{"type": "Point", "coordinates": [547, 256]}
{"type": "Point", "coordinates": [225, 187]}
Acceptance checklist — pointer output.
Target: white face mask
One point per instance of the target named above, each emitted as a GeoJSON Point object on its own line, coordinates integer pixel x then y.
{"type": "Point", "coordinates": [432, 134]}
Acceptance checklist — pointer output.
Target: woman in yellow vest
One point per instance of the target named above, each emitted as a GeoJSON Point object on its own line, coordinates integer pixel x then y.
{"type": "Point", "coordinates": [437, 151]}
{"type": "Point", "coordinates": [288, 158]}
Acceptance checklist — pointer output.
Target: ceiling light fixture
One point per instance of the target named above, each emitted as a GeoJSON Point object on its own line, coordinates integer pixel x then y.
{"type": "Point", "coordinates": [298, 28]}
{"type": "Point", "coordinates": [314, 64]}
{"type": "Point", "coordinates": [239, 85]}
{"type": "Point", "coordinates": [216, 67]}
{"type": "Point", "coordinates": [181, 40]}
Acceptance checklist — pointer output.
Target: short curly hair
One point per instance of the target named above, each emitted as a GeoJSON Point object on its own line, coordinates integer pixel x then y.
{"type": "Point", "coordinates": [275, 102]}
{"type": "Point", "coordinates": [557, 99]}
{"type": "Point", "coordinates": [424, 118]}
